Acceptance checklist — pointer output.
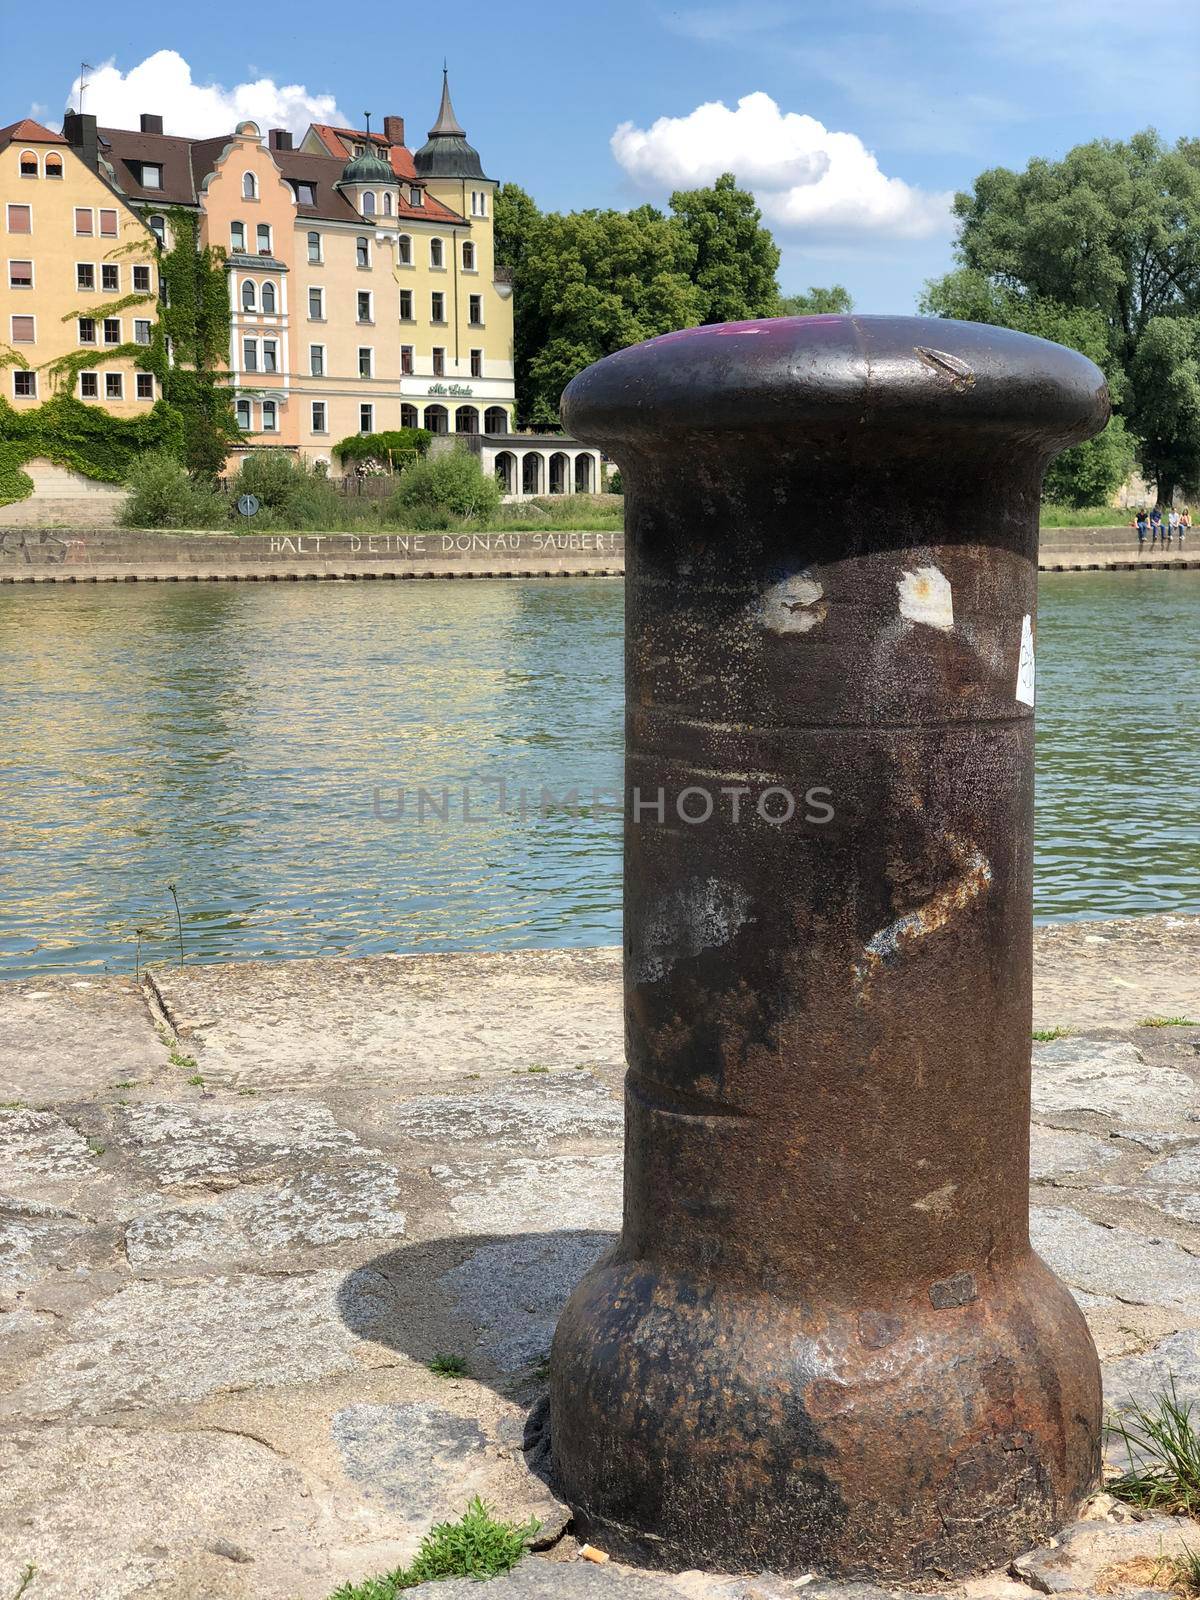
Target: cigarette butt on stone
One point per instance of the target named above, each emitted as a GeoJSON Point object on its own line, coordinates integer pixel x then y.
{"type": "Point", "coordinates": [588, 1552]}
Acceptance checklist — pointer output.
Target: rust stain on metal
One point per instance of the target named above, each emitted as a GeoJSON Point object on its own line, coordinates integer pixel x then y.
{"type": "Point", "coordinates": [822, 1342]}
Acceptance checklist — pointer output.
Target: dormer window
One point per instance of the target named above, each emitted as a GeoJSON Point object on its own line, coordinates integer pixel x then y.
{"type": "Point", "coordinates": [151, 175]}
{"type": "Point", "coordinates": [306, 193]}
{"type": "Point", "coordinates": [368, 203]}
{"type": "Point", "coordinates": [416, 197]}
{"type": "Point", "coordinates": [249, 186]}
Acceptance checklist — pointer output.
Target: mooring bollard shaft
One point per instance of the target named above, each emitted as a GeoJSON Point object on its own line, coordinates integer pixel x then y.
{"type": "Point", "coordinates": [823, 1340]}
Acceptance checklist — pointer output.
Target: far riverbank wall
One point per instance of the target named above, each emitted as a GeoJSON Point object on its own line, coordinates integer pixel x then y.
{"type": "Point", "coordinates": [107, 555]}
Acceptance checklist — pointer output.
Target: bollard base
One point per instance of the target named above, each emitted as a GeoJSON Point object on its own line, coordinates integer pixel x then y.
{"type": "Point", "coordinates": [695, 1426]}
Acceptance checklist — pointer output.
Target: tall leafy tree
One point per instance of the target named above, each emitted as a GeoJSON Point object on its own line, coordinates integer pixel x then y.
{"type": "Point", "coordinates": [1112, 230]}
{"type": "Point", "coordinates": [736, 258]}
{"type": "Point", "coordinates": [834, 301]}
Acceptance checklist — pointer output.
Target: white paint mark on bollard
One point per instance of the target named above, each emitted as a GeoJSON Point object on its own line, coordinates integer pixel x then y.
{"type": "Point", "coordinates": [925, 596]}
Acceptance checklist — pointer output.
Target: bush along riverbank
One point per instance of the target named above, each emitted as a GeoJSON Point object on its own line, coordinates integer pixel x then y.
{"type": "Point", "coordinates": [437, 493]}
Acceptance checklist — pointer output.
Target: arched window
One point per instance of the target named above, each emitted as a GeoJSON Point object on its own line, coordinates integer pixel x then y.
{"type": "Point", "coordinates": [531, 473]}
{"type": "Point", "coordinates": [437, 419]}
{"type": "Point", "coordinates": [249, 295]}
{"type": "Point", "coordinates": [506, 471]}
{"type": "Point", "coordinates": [387, 203]}
{"type": "Point", "coordinates": [495, 420]}
{"type": "Point", "coordinates": [263, 235]}
{"type": "Point", "coordinates": [466, 420]}
{"type": "Point", "coordinates": [158, 227]}
{"type": "Point", "coordinates": [237, 237]}
{"type": "Point", "coordinates": [558, 473]}
{"type": "Point", "coordinates": [468, 257]}
{"type": "Point", "coordinates": [404, 250]}
{"type": "Point", "coordinates": [314, 247]}
{"type": "Point", "coordinates": [29, 164]}
{"type": "Point", "coordinates": [583, 474]}
{"type": "Point", "coordinates": [408, 416]}
{"type": "Point", "coordinates": [268, 299]}
{"type": "Point", "coordinates": [368, 203]}
{"type": "Point", "coordinates": [249, 186]}
{"type": "Point", "coordinates": [54, 166]}
{"type": "Point", "coordinates": [436, 253]}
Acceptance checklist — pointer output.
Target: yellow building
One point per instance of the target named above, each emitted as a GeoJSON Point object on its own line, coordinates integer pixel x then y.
{"type": "Point", "coordinates": [80, 278]}
{"type": "Point", "coordinates": [363, 289]}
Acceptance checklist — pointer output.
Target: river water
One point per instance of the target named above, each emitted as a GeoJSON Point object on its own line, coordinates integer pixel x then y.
{"type": "Point", "coordinates": [262, 748]}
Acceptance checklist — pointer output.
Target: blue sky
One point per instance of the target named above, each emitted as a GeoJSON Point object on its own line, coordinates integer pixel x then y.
{"type": "Point", "coordinates": [853, 124]}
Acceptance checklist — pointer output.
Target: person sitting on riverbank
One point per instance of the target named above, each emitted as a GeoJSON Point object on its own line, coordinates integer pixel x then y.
{"type": "Point", "coordinates": [1156, 526]}
{"type": "Point", "coordinates": [1185, 522]}
{"type": "Point", "coordinates": [1140, 523]}
{"type": "Point", "coordinates": [1172, 524]}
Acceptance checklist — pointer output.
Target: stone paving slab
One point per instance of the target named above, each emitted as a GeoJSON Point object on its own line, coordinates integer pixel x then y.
{"type": "Point", "coordinates": [242, 1208]}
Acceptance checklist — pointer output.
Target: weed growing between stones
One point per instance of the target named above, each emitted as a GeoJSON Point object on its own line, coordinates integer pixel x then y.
{"type": "Point", "coordinates": [476, 1546]}
{"type": "Point", "coordinates": [1184, 1572]}
{"type": "Point", "coordinates": [175, 1055]}
{"type": "Point", "coordinates": [1045, 1035]}
{"type": "Point", "coordinates": [448, 1366]}
{"type": "Point", "coordinates": [1168, 1022]}
{"type": "Point", "coordinates": [1163, 1448]}
{"type": "Point", "coordinates": [27, 1578]}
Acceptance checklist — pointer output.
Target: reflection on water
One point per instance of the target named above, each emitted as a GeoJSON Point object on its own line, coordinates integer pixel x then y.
{"type": "Point", "coordinates": [248, 743]}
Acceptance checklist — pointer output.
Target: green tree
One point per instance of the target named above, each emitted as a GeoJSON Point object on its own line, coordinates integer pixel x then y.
{"type": "Point", "coordinates": [1112, 231]}
{"type": "Point", "coordinates": [834, 301]}
{"type": "Point", "coordinates": [514, 217]}
{"type": "Point", "coordinates": [735, 256]}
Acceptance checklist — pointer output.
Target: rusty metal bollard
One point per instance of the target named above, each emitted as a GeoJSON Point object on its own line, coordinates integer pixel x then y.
{"type": "Point", "coordinates": [823, 1340]}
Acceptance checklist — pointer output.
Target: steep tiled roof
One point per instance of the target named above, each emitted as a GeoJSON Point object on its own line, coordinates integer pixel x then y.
{"type": "Point", "coordinates": [125, 150]}
{"type": "Point", "coordinates": [27, 131]}
{"type": "Point", "coordinates": [331, 205]}
{"type": "Point", "coordinates": [340, 142]}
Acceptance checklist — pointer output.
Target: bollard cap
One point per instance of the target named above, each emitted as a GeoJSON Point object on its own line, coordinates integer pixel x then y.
{"type": "Point", "coordinates": [912, 381]}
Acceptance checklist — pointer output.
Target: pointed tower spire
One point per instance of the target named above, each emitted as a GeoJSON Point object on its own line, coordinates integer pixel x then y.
{"type": "Point", "coordinates": [447, 123]}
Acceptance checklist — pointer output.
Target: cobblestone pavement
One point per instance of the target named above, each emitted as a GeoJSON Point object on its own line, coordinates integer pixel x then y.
{"type": "Point", "coordinates": [242, 1207]}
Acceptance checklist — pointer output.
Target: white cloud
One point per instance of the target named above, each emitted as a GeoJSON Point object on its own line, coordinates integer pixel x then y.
{"type": "Point", "coordinates": [163, 84]}
{"type": "Point", "coordinates": [803, 175]}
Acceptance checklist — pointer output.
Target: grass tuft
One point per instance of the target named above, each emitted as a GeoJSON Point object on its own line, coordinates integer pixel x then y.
{"type": "Point", "coordinates": [1044, 1035]}
{"type": "Point", "coordinates": [27, 1578]}
{"type": "Point", "coordinates": [476, 1546]}
{"type": "Point", "coordinates": [1168, 1022]}
{"type": "Point", "coordinates": [1184, 1573]}
{"type": "Point", "coordinates": [1163, 1448]}
{"type": "Point", "coordinates": [449, 1366]}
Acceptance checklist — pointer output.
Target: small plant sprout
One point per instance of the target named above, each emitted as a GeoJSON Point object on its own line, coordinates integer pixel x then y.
{"type": "Point", "coordinates": [1168, 1022]}
{"type": "Point", "coordinates": [1186, 1570]}
{"type": "Point", "coordinates": [476, 1546]}
{"type": "Point", "coordinates": [1163, 1449]}
{"type": "Point", "coordinates": [27, 1578]}
{"type": "Point", "coordinates": [1045, 1035]}
{"type": "Point", "coordinates": [196, 1081]}
{"type": "Point", "coordinates": [449, 1366]}
{"type": "Point", "coordinates": [178, 919]}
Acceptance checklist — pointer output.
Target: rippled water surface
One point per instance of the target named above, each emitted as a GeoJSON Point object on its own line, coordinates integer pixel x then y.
{"type": "Point", "coordinates": [247, 743]}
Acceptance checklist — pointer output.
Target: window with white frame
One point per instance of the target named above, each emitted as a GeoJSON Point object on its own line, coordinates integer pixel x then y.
{"type": "Point", "coordinates": [263, 234]}
{"type": "Point", "coordinates": [416, 197]}
{"type": "Point", "coordinates": [366, 419]}
{"type": "Point", "coordinates": [475, 311]}
{"type": "Point", "coordinates": [404, 250]}
{"type": "Point", "coordinates": [151, 175]}
{"type": "Point", "coordinates": [387, 203]}
{"type": "Point", "coordinates": [114, 386]}
{"type": "Point", "coordinates": [249, 295]}
{"type": "Point", "coordinates": [437, 306]}
{"type": "Point", "coordinates": [29, 164]}
{"type": "Point", "coordinates": [141, 330]}
{"type": "Point", "coordinates": [406, 305]}
{"type": "Point", "coordinates": [270, 417]}
{"type": "Point", "coordinates": [319, 423]}
{"type": "Point", "coordinates": [477, 363]}
{"type": "Point", "coordinates": [406, 360]}
{"type": "Point", "coordinates": [110, 278]}
{"type": "Point", "coordinates": [22, 328]}
{"type": "Point", "coordinates": [314, 248]}
{"type": "Point", "coordinates": [20, 219]}
{"type": "Point", "coordinates": [145, 386]}
{"type": "Point", "coordinates": [366, 361]}
{"type": "Point", "coordinates": [368, 203]}
{"type": "Point", "coordinates": [366, 311]}
{"type": "Point", "coordinates": [468, 256]}
{"type": "Point", "coordinates": [87, 330]}
{"type": "Point", "coordinates": [85, 221]}
{"type": "Point", "coordinates": [250, 355]}
{"type": "Point", "coordinates": [316, 360]}
{"type": "Point", "coordinates": [85, 275]}
{"type": "Point", "coordinates": [268, 299]}
{"type": "Point", "coordinates": [54, 166]}
{"type": "Point", "coordinates": [270, 355]}
{"type": "Point", "coordinates": [158, 226]}
{"type": "Point", "coordinates": [249, 186]}
{"type": "Point", "coordinates": [437, 253]}
{"type": "Point", "coordinates": [237, 238]}
{"type": "Point", "coordinates": [25, 385]}
{"type": "Point", "coordinates": [316, 305]}
{"type": "Point", "coordinates": [20, 274]}
{"type": "Point", "coordinates": [439, 361]}
{"type": "Point", "coordinates": [108, 224]}
{"type": "Point", "coordinates": [362, 251]}
{"type": "Point", "coordinates": [89, 386]}
{"type": "Point", "coordinates": [141, 280]}
{"type": "Point", "coordinates": [245, 417]}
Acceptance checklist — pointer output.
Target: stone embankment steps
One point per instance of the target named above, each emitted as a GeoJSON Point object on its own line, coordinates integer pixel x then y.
{"type": "Point", "coordinates": [102, 555]}
{"type": "Point", "coordinates": [241, 1207]}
